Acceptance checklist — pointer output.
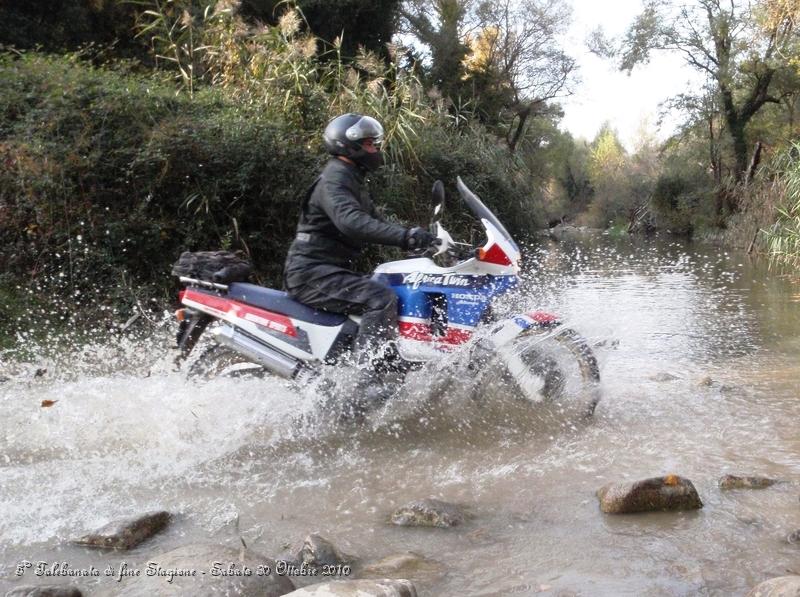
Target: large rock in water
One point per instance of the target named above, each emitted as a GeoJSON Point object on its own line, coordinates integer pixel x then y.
{"type": "Point", "coordinates": [126, 533]}
{"type": "Point", "coordinates": [734, 482]}
{"type": "Point", "coordinates": [428, 513]}
{"type": "Point", "coordinates": [659, 493]}
{"type": "Point", "coordinates": [44, 591]}
{"type": "Point", "coordinates": [318, 551]}
{"type": "Point", "coordinates": [782, 586]}
{"type": "Point", "coordinates": [359, 588]}
{"type": "Point", "coordinates": [193, 573]}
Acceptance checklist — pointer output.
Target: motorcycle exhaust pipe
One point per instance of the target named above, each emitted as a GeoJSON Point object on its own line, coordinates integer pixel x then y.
{"type": "Point", "coordinates": [277, 362]}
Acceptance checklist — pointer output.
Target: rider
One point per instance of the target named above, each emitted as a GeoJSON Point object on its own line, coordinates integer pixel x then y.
{"type": "Point", "coordinates": [338, 220]}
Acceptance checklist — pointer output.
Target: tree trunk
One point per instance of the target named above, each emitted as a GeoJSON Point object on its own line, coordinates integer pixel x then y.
{"type": "Point", "coordinates": [754, 161]}
{"type": "Point", "coordinates": [739, 150]}
{"type": "Point", "coordinates": [523, 112]}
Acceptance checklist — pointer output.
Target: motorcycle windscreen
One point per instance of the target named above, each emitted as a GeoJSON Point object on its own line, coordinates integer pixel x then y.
{"type": "Point", "coordinates": [482, 212]}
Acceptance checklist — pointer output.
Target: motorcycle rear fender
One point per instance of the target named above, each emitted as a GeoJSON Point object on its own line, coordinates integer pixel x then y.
{"type": "Point", "coordinates": [300, 339]}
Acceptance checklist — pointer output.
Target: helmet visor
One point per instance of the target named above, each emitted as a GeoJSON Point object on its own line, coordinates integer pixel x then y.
{"type": "Point", "coordinates": [366, 128]}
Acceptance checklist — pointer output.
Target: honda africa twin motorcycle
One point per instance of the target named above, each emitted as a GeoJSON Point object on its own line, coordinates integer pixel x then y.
{"type": "Point", "coordinates": [441, 308]}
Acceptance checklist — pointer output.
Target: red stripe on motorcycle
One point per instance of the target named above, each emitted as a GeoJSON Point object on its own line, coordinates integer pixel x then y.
{"type": "Point", "coordinates": [267, 319]}
{"type": "Point", "coordinates": [542, 317]}
{"type": "Point", "coordinates": [456, 336]}
{"type": "Point", "coordinates": [422, 332]}
{"type": "Point", "coordinates": [416, 331]}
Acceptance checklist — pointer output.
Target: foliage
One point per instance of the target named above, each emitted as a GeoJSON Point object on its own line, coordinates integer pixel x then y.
{"type": "Point", "coordinates": [109, 175]}
{"type": "Point", "coordinates": [439, 25]}
{"type": "Point", "coordinates": [368, 24]}
{"type": "Point", "coordinates": [783, 238]}
{"type": "Point", "coordinates": [59, 25]}
{"type": "Point", "coordinates": [518, 44]}
{"type": "Point", "coordinates": [505, 57]}
{"type": "Point", "coordinates": [742, 49]}
{"type": "Point", "coordinates": [607, 172]}
{"type": "Point", "coordinates": [681, 193]}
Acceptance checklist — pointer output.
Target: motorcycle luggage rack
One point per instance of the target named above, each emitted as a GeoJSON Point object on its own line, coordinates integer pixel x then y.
{"type": "Point", "coordinates": [203, 283]}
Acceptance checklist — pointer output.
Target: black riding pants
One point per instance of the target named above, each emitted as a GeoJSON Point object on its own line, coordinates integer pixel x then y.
{"type": "Point", "coordinates": [339, 290]}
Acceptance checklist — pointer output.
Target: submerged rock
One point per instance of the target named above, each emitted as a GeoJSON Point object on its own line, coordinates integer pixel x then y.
{"type": "Point", "coordinates": [318, 551]}
{"type": "Point", "coordinates": [659, 493]}
{"type": "Point", "coordinates": [793, 537]}
{"type": "Point", "coordinates": [359, 588]}
{"type": "Point", "coordinates": [403, 565]}
{"type": "Point", "coordinates": [563, 231]}
{"type": "Point", "coordinates": [607, 343]}
{"type": "Point", "coordinates": [206, 570]}
{"type": "Point", "coordinates": [568, 231]}
{"type": "Point", "coordinates": [126, 533]}
{"type": "Point", "coordinates": [664, 376]}
{"type": "Point", "coordinates": [753, 482]}
{"type": "Point", "coordinates": [44, 591]}
{"type": "Point", "coordinates": [782, 586]}
{"type": "Point", "coordinates": [428, 513]}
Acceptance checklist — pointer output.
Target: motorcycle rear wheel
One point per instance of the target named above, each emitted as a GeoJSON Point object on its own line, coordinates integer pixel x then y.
{"type": "Point", "coordinates": [215, 360]}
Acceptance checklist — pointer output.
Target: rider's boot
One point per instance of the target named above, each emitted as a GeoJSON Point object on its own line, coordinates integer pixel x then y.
{"type": "Point", "coordinates": [370, 392]}
{"type": "Point", "coordinates": [373, 346]}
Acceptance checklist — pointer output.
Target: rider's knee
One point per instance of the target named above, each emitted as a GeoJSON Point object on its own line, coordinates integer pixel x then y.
{"type": "Point", "coordinates": [382, 299]}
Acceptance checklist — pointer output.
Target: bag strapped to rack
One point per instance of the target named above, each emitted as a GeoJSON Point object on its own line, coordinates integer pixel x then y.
{"type": "Point", "coordinates": [219, 267]}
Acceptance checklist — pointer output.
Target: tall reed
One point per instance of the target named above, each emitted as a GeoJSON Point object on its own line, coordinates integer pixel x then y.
{"type": "Point", "coordinates": [783, 237]}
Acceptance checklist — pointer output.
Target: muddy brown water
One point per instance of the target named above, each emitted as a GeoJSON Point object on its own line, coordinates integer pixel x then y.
{"type": "Point", "coordinates": [225, 457]}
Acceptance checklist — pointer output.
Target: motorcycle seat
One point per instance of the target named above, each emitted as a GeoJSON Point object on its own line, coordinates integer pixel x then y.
{"type": "Point", "coordinates": [280, 302]}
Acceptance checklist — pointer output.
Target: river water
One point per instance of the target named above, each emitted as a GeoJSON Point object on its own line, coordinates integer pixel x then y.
{"type": "Point", "coordinates": [127, 435]}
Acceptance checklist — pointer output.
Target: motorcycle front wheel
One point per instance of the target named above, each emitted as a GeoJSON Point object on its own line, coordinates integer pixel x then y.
{"type": "Point", "coordinates": [547, 368]}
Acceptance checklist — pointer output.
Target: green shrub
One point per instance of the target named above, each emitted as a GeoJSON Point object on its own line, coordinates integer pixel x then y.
{"type": "Point", "coordinates": [680, 200]}
{"type": "Point", "coordinates": [783, 237]}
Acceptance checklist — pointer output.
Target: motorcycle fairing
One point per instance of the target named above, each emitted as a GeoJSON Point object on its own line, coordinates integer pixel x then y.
{"type": "Point", "coordinates": [464, 292]}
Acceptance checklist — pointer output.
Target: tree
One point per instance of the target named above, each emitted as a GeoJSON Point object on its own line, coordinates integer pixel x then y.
{"type": "Point", "coordinates": [504, 55]}
{"type": "Point", "coordinates": [608, 175]}
{"type": "Point", "coordinates": [740, 48]}
{"type": "Point", "coordinates": [439, 25]}
{"type": "Point", "coordinates": [520, 54]}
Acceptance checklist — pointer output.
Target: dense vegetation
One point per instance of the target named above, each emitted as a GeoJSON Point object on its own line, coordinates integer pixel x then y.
{"type": "Point", "coordinates": [132, 130]}
{"type": "Point", "coordinates": [109, 173]}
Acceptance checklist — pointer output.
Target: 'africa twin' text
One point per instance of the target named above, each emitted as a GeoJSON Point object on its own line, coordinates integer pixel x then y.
{"type": "Point", "coordinates": [417, 279]}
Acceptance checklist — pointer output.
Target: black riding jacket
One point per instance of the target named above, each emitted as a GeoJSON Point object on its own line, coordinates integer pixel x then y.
{"type": "Point", "coordinates": [337, 221]}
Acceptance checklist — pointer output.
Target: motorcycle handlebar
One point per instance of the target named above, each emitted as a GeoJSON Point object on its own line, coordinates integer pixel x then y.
{"type": "Point", "coordinates": [444, 245]}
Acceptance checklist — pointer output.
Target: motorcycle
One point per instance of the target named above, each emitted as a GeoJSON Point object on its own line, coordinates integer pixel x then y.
{"type": "Point", "coordinates": [442, 307]}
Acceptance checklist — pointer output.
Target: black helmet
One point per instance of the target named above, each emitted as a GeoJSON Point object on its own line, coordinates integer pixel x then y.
{"type": "Point", "coordinates": [344, 135]}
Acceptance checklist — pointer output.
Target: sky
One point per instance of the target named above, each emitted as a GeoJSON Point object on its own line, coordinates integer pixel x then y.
{"type": "Point", "coordinates": [603, 93]}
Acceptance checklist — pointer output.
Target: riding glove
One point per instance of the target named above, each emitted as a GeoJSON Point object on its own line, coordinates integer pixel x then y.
{"type": "Point", "coordinates": [419, 238]}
